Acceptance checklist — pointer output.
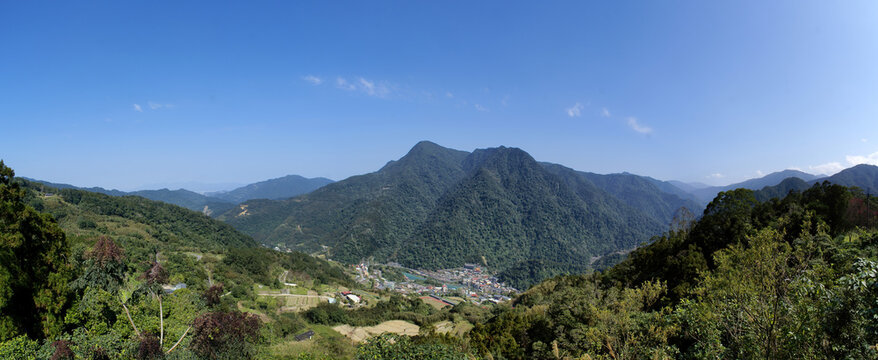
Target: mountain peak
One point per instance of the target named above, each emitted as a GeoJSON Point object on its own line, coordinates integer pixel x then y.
{"type": "Point", "coordinates": [481, 157]}
{"type": "Point", "coordinates": [426, 146]}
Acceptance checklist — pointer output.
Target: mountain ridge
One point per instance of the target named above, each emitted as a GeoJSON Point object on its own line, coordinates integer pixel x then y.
{"type": "Point", "coordinates": [423, 208]}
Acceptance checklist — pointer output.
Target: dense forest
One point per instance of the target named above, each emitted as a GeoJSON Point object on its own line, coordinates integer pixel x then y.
{"type": "Point", "coordinates": [438, 208]}
{"type": "Point", "coordinates": [87, 276]}
{"type": "Point", "coordinates": [788, 278]}
{"type": "Point", "coordinates": [757, 275]}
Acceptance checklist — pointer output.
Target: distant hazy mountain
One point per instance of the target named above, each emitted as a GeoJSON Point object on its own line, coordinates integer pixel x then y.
{"type": "Point", "coordinates": [68, 186]}
{"type": "Point", "coordinates": [181, 197]}
{"type": "Point", "coordinates": [688, 187]}
{"type": "Point", "coordinates": [274, 189]}
{"type": "Point", "coordinates": [705, 195]}
{"type": "Point", "coordinates": [187, 199]}
{"type": "Point", "coordinates": [781, 190]}
{"type": "Point", "coordinates": [194, 186]}
{"type": "Point", "coordinates": [439, 207]}
{"type": "Point", "coordinates": [862, 176]}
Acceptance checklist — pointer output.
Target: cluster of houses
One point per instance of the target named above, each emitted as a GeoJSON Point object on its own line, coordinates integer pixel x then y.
{"type": "Point", "coordinates": [470, 281]}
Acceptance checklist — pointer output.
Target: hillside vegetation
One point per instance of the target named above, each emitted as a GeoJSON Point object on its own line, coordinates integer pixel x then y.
{"type": "Point", "coordinates": [437, 207]}
{"type": "Point", "coordinates": [280, 188]}
{"type": "Point", "coordinates": [789, 278]}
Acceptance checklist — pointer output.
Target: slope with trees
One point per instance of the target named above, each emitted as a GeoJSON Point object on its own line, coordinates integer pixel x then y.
{"type": "Point", "coordinates": [274, 189]}
{"type": "Point", "coordinates": [438, 207]}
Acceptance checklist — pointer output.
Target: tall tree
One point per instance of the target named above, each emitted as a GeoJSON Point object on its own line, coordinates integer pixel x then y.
{"type": "Point", "coordinates": [34, 269]}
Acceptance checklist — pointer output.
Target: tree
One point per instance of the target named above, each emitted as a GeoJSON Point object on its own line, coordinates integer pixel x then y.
{"type": "Point", "coordinates": [34, 270]}
{"type": "Point", "coordinates": [105, 268]}
{"type": "Point", "coordinates": [222, 335]}
{"type": "Point", "coordinates": [154, 277]}
{"type": "Point", "coordinates": [756, 304]}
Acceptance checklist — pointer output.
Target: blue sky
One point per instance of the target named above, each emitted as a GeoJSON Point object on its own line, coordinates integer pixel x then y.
{"type": "Point", "coordinates": [131, 94]}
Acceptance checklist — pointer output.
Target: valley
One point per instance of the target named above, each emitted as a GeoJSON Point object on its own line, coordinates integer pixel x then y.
{"type": "Point", "coordinates": [519, 236]}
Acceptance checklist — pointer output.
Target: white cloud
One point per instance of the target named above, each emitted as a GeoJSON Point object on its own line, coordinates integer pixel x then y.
{"type": "Point", "coordinates": [314, 80]}
{"type": "Point", "coordinates": [605, 113]}
{"type": "Point", "coordinates": [481, 108]}
{"type": "Point", "coordinates": [575, 111]}
{"type": "Point", "coordinates": [138, 108]}
{"type": "Point", "coordinates": [344, 84]}
{"type": "Point", "coordinates": [871, 159]}
{"type": "Point", "coordinates": [715, 176]}
{"type": "Point", "coordinates": [829, 168]}
{"type": "Point", "coordinates": [156, 106]}
{"type": "Point", "coordinates": [864, 140]}
{"type": "Point", "coordinates": [833, 167]}
{"type": "Point", "coordinates": [449, 95]}
{"type": "Point", "coordinates": [759, 173]}
{"type": "Point", "coordinates": [505, 101]}
{"type": "Point", "coordinates": [634, 125]}
{"type": "Point", "coordinates": [368, 86]}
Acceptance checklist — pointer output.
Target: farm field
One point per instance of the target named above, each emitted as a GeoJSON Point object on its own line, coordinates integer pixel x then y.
{"type": "Point", "coordinates": [359, 334]}
{"type": "Point", "coordinates": [434, 302]}
{"type": "Point", "coordinates": [458, 328]}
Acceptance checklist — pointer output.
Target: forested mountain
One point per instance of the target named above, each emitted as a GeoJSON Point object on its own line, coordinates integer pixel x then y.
{"type": "Point", "coordinates": [657, 199]}
{"type": "Point", "coordinates": [688, 187]}
{"type": "Point", "coordinates": [89, 276]}
{"type": "Point", "coordinates": [371, 212]}
{"type": "Point", "coordinates": [274, 189]}
{"type": "Point", "coordinates": [180, 197]}
{"type": "Point", "coordinates": [864, 177]}
{"type": "Point", "coordinates": [437, 207]}
{"type": "Point", "coordinates": [133, 219]}
{"type": "Point", "coordinates": [509, 212]}
{"type": "Point", "coordinates": [707, 194]}
{"type": "Point", "coordinates": [216, 203]}
{"type": "Point", "coordinates": [789, 278]}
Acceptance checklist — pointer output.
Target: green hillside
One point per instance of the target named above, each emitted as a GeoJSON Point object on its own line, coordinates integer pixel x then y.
{"type": "Point", "coordinates": [366, 212]}
{"type": "Point", "coordinates": [863, 177]}
{"type": "Point", "coordinates": [274, 189]}
{"type": "Point", "coordinates": [134, 219]}
{"type": "Point", "coordinates": [511, 212]}
{"type": "Point", "coordinates": [656, 199]}
{"type": "Point", "coordinates": [180, 197]}
{"type": "Point", "coordinates": [438, 207]}
{"type": "Point", "coordinates": [92, 276]}
{"type": "Point", "coordinates": [789, 278]}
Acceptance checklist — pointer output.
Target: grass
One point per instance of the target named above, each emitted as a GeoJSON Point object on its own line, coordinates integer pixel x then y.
{"type": "Point", "coordinates": [457, 328]}
{"type": "Point", "coordinates": [325, 342]}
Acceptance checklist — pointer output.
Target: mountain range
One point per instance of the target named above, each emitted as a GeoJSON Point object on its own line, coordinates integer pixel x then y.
{"type": "Point", "coordinates": [279, 188]}
{"type": "Point", "coordinates": [862, 176]}
{"type": "Point", "coordinates": [437, 207]}
{"type": "Point", "coordinates": [217, 202]}
{"type": "Point", "coordinates": [706, 194]}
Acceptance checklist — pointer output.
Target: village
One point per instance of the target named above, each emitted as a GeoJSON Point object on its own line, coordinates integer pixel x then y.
{"type": "Point", "coordinates": [449, 286]}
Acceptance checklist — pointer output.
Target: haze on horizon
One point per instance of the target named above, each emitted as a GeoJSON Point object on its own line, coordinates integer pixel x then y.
{"type": "Point", "coordinates": [123, 95]}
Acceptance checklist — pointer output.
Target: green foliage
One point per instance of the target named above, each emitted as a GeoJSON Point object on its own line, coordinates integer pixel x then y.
{"type": "Point", "coordinates": [439, 208]}
{"type": "Point", "coordinates": [21, 348]}
{"type": "Point", "coordinates": [574, 316]}
{"type": "Point", "coordinates": [280, 188]}
{"type": "Point", "coordinates": [34, 272]}
{"type": "Point", "coordinates": [398, 307]}
{"type": "Point", "coordinates": [225, 335]}
{"type": "Point", "coordinates": [139, 225]}
{"type": "Point", "coordinates": [390, 346]}
{"type": "Point", "coordinates": [787, 278]}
